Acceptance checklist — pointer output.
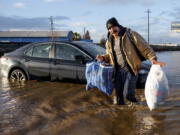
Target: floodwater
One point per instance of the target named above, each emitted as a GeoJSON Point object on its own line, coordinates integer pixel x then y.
{"type": "Point", "coordinates": [56, 108]}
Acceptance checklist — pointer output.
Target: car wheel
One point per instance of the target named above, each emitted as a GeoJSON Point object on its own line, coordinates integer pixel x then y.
{"type": "Point", "coordinates": [17, 75]}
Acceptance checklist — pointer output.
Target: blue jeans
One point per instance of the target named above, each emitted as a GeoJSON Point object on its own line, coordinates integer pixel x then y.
{"type": "Point", "coordinates": [124, 82]}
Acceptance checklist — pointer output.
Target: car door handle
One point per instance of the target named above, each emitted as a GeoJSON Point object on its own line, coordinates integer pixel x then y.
{"type": "Point", "coordinates": [27, 60]}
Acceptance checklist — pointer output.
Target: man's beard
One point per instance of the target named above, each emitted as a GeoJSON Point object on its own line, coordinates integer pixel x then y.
{"type": "Point", "coordinates": [115, 31]}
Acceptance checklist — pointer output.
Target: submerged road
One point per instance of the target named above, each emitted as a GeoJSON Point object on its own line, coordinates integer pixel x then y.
{"type": "Point", "coordinates": [57, 108]}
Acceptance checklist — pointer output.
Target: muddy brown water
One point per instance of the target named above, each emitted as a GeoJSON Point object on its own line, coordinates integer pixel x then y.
{"type": "Point", "coordinates": [57, 108]}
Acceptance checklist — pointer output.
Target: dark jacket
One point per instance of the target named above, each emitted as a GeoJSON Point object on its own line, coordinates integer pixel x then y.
{"type": "Point", "coordinates": [134, 48]}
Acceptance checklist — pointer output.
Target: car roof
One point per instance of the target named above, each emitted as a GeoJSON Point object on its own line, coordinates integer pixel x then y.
{"type": "Point", "coordinates": [75, 43]}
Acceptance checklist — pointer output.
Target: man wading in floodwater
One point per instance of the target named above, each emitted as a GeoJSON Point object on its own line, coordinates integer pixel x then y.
{"type": "Point", "coordinates": [125, 50]}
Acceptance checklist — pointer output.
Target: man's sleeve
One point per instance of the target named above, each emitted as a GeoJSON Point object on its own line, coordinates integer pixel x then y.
{"type": "Point", "coordinates": [143, 47]}
{"type": "Point", "coordinates": [106, 56]}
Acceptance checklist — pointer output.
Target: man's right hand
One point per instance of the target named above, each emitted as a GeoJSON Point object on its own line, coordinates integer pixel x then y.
{"type": "Point", "coordinates": [100, 58]}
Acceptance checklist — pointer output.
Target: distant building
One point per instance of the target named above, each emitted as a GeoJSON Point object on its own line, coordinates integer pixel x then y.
{"type": "Point", "coordinates": [175, 26]}
{"type": "Point", "coordinates": [34, 36]}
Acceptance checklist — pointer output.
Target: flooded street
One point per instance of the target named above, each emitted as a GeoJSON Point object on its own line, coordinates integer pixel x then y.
{"type": "Point", "coordinates": [57, 108]}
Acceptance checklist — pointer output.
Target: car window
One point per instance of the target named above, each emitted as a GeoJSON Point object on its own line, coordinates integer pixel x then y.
{"type": "Point", "coordinates": [92, 48]}
{"type": "Point", "coordinates": [41, 51]}
{"type": "Point", "coordinates": [29, 51]}
{"type": "Point", "coordinates": [68, 52]}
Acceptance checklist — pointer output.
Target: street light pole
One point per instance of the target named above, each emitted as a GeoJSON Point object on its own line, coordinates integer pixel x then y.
{"type": "Point", "coordinates": [148, 12]}
{"type": "Point", "coordinates": [52, 27]}
{"type": "Point", "coordinates": [84, 33]}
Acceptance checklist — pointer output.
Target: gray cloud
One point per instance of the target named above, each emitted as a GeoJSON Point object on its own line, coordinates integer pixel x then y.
{"type": "Point", "coordinates": [163, 13]}
{"type": "Point", "coordinates": [160, 31]}
{"type": "Point", "coordinates": [87, 13]}
{"type": "Point", "coordinates": [15, 22]}
{"type": "Point", "coordinates": [175, 13]}
{"type": "Point", "coordinates": [165, 37]}
{"type": "Point", "coordinates": [140, 2]}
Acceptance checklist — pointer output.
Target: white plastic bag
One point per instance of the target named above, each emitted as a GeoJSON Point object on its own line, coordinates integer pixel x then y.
{"type": "Point", "coordinates": [156, 87]}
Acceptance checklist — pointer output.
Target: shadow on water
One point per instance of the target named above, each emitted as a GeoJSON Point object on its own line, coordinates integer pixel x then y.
{"type": "Point", "coordinates": [53, 108]}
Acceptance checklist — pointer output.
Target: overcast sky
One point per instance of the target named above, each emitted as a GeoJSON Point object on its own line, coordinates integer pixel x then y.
{"type": "Point", "coordinates": [92, 14]}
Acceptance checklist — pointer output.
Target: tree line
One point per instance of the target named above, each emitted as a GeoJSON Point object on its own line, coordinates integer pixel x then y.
{"type": "Point", "coordinates": [86, 36]}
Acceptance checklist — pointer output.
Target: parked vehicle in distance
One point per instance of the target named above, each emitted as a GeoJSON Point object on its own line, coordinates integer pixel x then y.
{"type": "Point", "coordinates": [54, 60]}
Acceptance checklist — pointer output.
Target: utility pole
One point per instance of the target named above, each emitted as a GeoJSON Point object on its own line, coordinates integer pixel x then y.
{"type": "Point", "coordinates": [148, 12]}
{"type": "Point", "coordinates": [52, 27]}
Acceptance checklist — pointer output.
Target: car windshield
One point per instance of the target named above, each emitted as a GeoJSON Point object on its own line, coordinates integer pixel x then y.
{"type": "Point", "coordinates": [92, 48]}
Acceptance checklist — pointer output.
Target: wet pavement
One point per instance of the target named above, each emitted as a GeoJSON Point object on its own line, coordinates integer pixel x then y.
{"type": "Point", "coordinates": [57, 108]}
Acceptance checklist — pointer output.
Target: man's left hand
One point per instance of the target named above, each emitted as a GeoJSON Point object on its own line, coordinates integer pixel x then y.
{"type": "Point", "coordinates": [158, 63]}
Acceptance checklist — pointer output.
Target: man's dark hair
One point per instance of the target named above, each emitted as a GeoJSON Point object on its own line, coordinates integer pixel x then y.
{"type": "Point", "coordinates": [112, 22]}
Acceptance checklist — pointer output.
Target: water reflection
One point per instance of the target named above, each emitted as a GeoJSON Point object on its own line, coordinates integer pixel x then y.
{"type": "Point", "coordinates": [148, 123]}
{"type": "Point", "coordinates": [172, 67]}
{"type": "Point", "coordinates": [7, 99]}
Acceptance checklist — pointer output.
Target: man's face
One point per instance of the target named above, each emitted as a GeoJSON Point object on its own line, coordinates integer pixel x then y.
{"type": "Point", "coordinates": [114, 30]}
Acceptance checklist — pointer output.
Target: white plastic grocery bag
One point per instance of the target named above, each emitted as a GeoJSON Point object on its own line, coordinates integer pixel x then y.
{"type": "Point", "coordinates": [156, 87]}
